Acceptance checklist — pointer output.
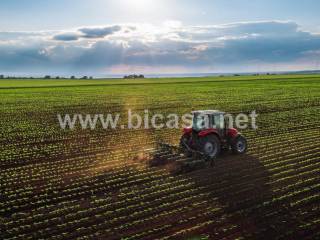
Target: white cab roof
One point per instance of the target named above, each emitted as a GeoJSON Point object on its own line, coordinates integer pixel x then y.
{"type": "Point", "coordinates": [208, 112]}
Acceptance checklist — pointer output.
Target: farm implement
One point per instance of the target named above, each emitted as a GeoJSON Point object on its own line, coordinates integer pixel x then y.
{"type": "Point", "coordinates": [209, 135]}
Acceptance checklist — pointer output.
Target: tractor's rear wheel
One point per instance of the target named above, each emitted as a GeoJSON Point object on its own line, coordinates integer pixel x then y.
{"type": "Point", "coordinates": [239, 145]}
{"type": "Point", "coordinates": [211, 146]}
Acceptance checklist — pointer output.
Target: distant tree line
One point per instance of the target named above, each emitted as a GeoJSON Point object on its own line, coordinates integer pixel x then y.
{"type": "Point", "coordinates": [133, 76]}
{"type": "Point", "coordinates": [72, 77]}
{"type": "Point", "coordinates": [14, 77]}
{"type": "Point", "coordinates": [45, 77]}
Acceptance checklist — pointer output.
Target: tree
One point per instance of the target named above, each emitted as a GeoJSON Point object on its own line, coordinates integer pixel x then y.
{"type": "Point", "coordinates": [134, 76]}
{"type": "Point", "coordinates": [84, 77]}
{"type": "Point", "coordinates": [72, 77]}
{"type": "Point", "coordinates": [47, 77]}
{"type": "Point", "coordinates": [1, 77]}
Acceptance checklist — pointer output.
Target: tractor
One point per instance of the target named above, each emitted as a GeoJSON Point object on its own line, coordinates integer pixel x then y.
{"type": "Point", "coordinates": [202, 143]}
{"type": "Point", "coordinates": [210, 134]}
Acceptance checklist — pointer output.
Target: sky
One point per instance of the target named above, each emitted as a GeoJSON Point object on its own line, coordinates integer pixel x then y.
{"type": "Point", "coordinates": [108, 37]}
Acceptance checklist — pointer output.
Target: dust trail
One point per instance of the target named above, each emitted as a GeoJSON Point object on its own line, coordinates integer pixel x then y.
{"type": "Point", "coordinates": [126, 147]}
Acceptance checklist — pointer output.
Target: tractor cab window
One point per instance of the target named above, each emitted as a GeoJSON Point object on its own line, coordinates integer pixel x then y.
{"type": "Point", "coordinates": [218, 121]}
{"type": "Point", "coordinates": [200, 122]}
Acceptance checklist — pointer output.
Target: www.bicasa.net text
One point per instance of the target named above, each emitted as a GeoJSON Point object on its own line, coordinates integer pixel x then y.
{"type": "Point", "coordinates": [148, 121]}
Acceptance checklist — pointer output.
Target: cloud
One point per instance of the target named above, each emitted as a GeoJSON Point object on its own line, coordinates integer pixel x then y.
{"type": "Point", "coordinates": [228, 47]}
{"type": "Point", "coordinates": [99, 32]}
{"type": "Point", "coordinates": [66, 37]}
{"type": "Point", "coordinates": [88, 32]}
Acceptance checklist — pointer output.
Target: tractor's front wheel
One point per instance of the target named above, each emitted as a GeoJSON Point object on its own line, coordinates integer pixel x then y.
{"type": "Point", "coordinates": [239, 145]}
{"type": "Point", "coordinates": [211, 146]}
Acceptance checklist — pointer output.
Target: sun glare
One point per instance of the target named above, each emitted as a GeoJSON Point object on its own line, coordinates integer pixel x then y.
{"type": "Point", "coordinates": [139, 5]}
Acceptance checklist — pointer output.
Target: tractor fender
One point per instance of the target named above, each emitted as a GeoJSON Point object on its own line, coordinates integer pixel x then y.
{"type": "Point", "coordinates": [232, 133]}
{"type": "Point", "coordinates": [207, 132]}
{"type": "Point", "coordinates": [187, 131]}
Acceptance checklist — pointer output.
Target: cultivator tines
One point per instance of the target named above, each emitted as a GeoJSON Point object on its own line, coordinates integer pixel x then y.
{"type": "Point", "coordinates": [166, 154]}
{"type": "Point", "coordinates": [168, 147]}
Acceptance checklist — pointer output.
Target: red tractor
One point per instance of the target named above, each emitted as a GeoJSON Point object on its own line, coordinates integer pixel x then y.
{"type": "Point", "coordinates": [210, 133]}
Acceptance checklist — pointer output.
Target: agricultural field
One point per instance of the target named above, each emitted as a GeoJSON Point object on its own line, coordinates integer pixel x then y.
{"type": "Point", "coordinates": [97, 184]}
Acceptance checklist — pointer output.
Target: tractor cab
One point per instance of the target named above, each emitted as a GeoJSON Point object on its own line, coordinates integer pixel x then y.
{"type": "Point", "coordinates": [211, 119]}
{"type": "Point", "coordinates": [210, 133]}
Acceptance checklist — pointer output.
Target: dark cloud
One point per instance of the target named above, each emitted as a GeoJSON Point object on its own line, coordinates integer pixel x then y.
{"type": "Point", "coordinates": [101, 54]}
{"type": "Point", "coordinates": [99, 32]}
{"type": "Point", "coordinates": [89, 32]}
{"type": "Point", "coordinates": [20, 58]}
{"type": "Point", "coordinates": [66, 37]}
